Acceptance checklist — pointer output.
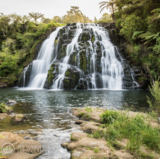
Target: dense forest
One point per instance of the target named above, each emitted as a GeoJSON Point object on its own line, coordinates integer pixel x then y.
{"type": "Point", "coordinates": [137, 21]}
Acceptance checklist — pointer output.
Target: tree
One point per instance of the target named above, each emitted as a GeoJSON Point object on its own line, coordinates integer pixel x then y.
{"type": "Point", "coordinates": [46, 20]}
{"type": "Point", "coordinates": [131, 24]}
{"type": "Point", "coordinates": [36, 16]}
{"type": "Point", "coordinates": [57, 19]}
{"type": "Point", "coordinates": [108, 5]}
{"type": "Point", "coordinates": [4, 23]}
{"type": "Point", "coordinates": [74, 15]}
{"type": "Point", "coordinates": [95, 20]}
{"type": "Point", "coordinates": [15, 22]}
{"type": "Point", "coordinates": [106, 18]}
{"type": "Point", "coordinates": [24, 19]}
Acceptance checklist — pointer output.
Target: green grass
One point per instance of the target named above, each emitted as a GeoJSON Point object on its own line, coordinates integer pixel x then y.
{"type": "Point", "coordinates": [89, 148]}
{"type": "Point", "coordinates": [88, 109]}
{"type": "Point", "coordinates": [98, 134]}
{"type": "Point", "coordinates": [85, 115]}
{"type": "Point", "coordinates": [119, 126]}
{"type": "Point", "coordinates": [109, 116]}
{"type": "Point", "coordinates": [96, 150]}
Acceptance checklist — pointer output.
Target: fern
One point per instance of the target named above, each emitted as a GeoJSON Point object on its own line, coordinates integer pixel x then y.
{"type": "Point", "coordinates": [136, 34]}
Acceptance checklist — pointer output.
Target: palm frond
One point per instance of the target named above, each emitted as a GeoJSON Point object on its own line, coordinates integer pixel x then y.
{"type": "Point", "coordinates": [102, 9]}
{"type": "Point", "coordinates": [102, 5]}
{"type": "Point", "coordinates": [136, 34]}
{"type": "Point", "coordinates": [157, 10]}
{"type": "Point", "coordinates": [103, 2]}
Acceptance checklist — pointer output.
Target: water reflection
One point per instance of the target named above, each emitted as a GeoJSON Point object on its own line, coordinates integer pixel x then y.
{"type": "Point", "coordinates": [48, 111]}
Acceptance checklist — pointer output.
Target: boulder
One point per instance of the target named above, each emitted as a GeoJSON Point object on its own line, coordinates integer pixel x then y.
{"type": "Point", "coordinates": [21, 148]}
{"type": "Point", "coordinates": [18, 118]}
{"type": "Point", "coordinates": [11, 102]}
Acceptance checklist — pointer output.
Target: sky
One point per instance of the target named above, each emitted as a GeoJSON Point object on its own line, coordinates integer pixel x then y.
{"type": "Point", "coordinates": [51, 8]}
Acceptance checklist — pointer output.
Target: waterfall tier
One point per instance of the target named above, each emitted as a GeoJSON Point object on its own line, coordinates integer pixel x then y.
{"type": "Point", "coordinates": [79, 56]}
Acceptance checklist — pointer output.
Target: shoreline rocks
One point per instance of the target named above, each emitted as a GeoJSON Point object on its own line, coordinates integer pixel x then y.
{"type": "Point", "coordinates": [82, 145]}
{"type": "Point", "coordinates": [22, 148]}
{"type": "Point", "coordinates": [18, 118]}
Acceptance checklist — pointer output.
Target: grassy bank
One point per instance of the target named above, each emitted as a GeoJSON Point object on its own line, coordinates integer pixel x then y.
{"type": "Point", "coordinates": [131, 133]}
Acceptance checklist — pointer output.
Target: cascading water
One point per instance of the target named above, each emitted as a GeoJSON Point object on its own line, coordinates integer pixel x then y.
{"type": "Point", "coordinates": [80, 56]}
{"type": "Point", "coordinates": [64, 65]}
{"type": "Point", "coordinates": [41, 65]}
{"type": "Point", "coordinates": [112, 70]}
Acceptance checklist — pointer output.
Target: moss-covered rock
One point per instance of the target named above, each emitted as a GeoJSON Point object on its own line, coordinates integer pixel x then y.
{"type": "Point", "coordinates": [72, 59]}
{"type": "Point", "coordinates": [84, 36]}
{"type": "Point", "coordinates": [93, 38]}
{"type": "Point", "coordinates": [73, 75]}
{"type": "Point", "coordinates": [83, 61]}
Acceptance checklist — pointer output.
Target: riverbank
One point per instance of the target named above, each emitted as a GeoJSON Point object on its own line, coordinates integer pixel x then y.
{"type": "Point", "coordinates": [115, 134]}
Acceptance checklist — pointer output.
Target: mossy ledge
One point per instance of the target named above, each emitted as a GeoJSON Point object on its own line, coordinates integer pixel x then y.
{"type": "Point", "coordinates": [114, 134]}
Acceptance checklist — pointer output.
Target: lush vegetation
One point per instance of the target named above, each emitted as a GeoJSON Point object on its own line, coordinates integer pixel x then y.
{"type": "Point", "coordinates": [21, 36]}
{"type": "Point", "coordinates": [138, 133]}
{"type": "Point", "coordinates": [155, 102]}
{"type": "Point", "coordinates": [138, 22]}
{"type": "Point", "coordinates": [3, 108]}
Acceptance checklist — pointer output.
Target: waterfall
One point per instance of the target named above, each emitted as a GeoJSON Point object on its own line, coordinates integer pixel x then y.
{"type": "Point", "coordinates": [79, 56]}
{"type": "Point", "coordinates": [41, 65]}
{"type": "Point", "coordinates": [64, 65]}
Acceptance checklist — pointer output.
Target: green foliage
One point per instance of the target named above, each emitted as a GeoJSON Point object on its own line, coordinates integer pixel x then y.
{"type": "Point", "coordinates": [98, 134]}
{"type": "Point", "coordinates": [131, 24]}
{"type": "Point", "coordinates": [3, 108]}
{"type": "Point", "coordinates": [36, 16]}
{"type": "Point", "coordinates": [109, 117]}
{"type": "Point", "coordinates": [88, 109]}
{"type": "Point", "coordinates": [75, 16]}
{"type": "Point", "coordinates": [106, 18]}
{"type": "Point", "coordinates": [19, 38]}
{"type": "Point", "coordinates": [138, 22]}
{"type": "Point", "coordinates": [85, 115]}
{"type": "Point", "coordinates": [134, 129]}
{"type": "Point", "coordinates": [96, 150]}
{"type": "Point", "coordinates": [155, 91]}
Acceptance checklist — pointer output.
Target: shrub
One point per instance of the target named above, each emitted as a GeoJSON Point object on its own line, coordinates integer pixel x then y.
{"type": "Point", "coordinates": [96, 150]}
{"type": "Point", "coordinates": [3, 108]}
{"type": "Point", "coordinates": [109, 116]}
{"type": "Point", "coordinates": [155, 91]}
{"type": "Point", "coordinates": [98, 134]}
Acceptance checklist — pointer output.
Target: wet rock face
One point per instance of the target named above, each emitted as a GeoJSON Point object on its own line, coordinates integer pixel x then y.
{"type": "Point", "coordinates": [82, 57]}
{"type": "Point", "coordinates": [85, 67]}
{"type": "Point", "coordinates": [136, 71]}
{"type": "Point", "coordinates": [78, 77]}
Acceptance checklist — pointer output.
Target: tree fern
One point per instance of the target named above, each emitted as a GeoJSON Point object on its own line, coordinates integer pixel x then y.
{"type": "Point", "coordinates": [136, 34]}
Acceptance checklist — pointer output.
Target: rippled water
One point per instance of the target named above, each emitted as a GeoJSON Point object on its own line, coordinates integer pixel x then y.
{"type": "Point", "coordinates": [48, 111]}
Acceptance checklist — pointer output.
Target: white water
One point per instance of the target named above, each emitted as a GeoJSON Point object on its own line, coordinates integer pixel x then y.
{"type": "Point", "coordinates": [112, 70]}
{"type": "Point", "coordinates": [24, 75]}
{"type": "Point", "coordinates": [58, 83]}
{"type": "Point", "coordinates": [41, 65]}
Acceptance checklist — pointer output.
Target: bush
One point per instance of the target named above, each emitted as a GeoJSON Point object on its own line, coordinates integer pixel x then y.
{"type": "Point", "coordinates": [3, 108]}
{"type": "Point", "coordinates": [109, 116]}
{"type": "Point", "coordinates": [155, 91]}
